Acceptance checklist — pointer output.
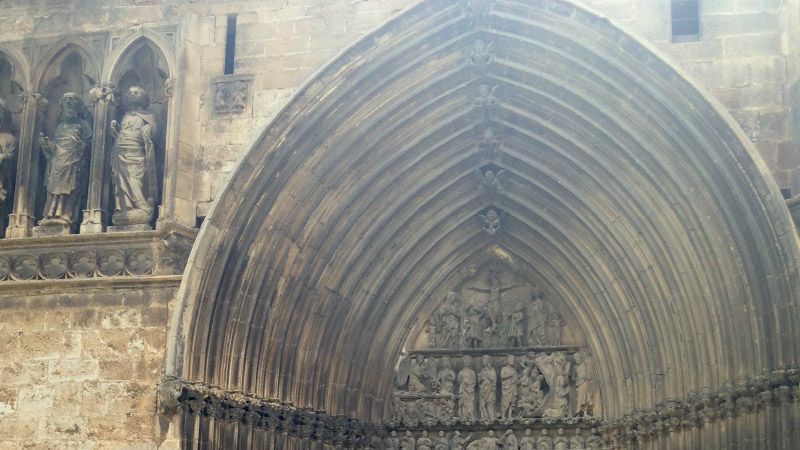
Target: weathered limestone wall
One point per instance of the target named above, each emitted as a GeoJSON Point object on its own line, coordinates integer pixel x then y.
{"type": "Point", "coordinates": [79, 369]}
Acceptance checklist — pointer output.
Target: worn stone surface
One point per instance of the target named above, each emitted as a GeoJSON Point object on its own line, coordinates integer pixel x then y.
{"type": "Point", "coordinates": [84, 323]}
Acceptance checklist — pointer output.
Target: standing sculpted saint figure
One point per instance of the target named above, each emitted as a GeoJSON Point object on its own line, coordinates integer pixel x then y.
{"type": "Point", "coordinates": [66, 157]}
{"type": "Point", "coordinates": [466, 390]}
{"type": "Point", "coordinates": [508, 384]}
{"type": "Point", "coordinates": [8, 151]}
{"type": "Point", "coordinates": [488, 388]}
{"type": "Point", "coordinates": [133, 161]}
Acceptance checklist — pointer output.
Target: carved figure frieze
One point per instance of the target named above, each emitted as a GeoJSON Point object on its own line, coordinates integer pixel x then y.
{"type": "Point", "coordinates": [133, 168]}
{"type": "Point", "coordinates": [495, 356]}
{"type": "Point", "coordinates": [66, 155]}
{"type": "Point", "coordinates": [231, 94]}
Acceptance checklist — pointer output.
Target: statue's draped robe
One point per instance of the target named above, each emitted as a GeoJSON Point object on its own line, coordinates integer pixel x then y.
{"type": "Point", "coordinates": [129, 162]}
{"type": "Point", "coordinates": [66, 168]}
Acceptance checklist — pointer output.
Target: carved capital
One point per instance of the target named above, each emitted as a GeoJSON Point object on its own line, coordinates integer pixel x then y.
{"type": "Point", "coordinates": [36, 98]}
{"type": "Point", "coordinates": [169, 87]}
{"type": "Point", "coordinates": [103, 93]}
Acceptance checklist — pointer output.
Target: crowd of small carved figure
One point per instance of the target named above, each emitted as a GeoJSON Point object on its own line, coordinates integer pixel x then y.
{"type": "Point", "coordinates": [546, 440]}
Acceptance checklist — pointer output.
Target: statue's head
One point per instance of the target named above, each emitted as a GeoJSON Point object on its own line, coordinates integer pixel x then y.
{"type": "Point", "coordinates": [5, 116]}
{"type": "Point", "coordinates": [136, 98]}
{"type": "Point", "coordinates": [72, 108]}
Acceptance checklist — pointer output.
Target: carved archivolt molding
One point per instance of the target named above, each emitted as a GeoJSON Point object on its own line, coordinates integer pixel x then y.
{"type": "Point", "coordinates": [780, 387]}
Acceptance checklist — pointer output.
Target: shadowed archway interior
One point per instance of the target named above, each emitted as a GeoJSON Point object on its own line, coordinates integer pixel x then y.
{"type": "Point", "coordinates": [630, 198]}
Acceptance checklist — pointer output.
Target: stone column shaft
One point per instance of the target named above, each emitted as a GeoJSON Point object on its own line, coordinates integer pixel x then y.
{"type": "Point", "coordinates": [95, 216]}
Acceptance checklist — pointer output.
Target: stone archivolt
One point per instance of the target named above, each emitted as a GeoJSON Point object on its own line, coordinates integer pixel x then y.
{"type": "Point", "coordinates": [641, 213]}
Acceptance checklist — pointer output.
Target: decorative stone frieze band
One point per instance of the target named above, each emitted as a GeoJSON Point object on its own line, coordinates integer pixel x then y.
{"type": "Point", "coordinates": [747, 396]}
{"type": "Point", "coordinates": [139, 254]}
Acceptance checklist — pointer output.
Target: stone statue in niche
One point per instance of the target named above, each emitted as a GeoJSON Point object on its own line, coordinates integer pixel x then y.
{"type": "Point", "coordinates": [66, 163]}
{"type": "Point", "coordinates": [527, 442]}
{"type": "Point", "coordinates": [466, 389]}
{"type": "Point", "coordinates": [133, 168]}
{"type": "Point", "coordinates": [508, 391]}
{"type": "Point", "coordinates": [489, 183]}
{"type": "Point", "coordinates": [487, 379]}
{"type": "Point", "coordinates": [8, 153]}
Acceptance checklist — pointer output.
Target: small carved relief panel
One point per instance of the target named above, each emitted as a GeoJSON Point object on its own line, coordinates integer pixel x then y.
{"type": "Point", "coordinates": [231, 94]}
{"type": "Point", "coordinates": [495, 351]}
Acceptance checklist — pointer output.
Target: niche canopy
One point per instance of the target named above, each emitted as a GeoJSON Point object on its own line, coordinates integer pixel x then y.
{"type": "Point", "coordinates": [532, 135]}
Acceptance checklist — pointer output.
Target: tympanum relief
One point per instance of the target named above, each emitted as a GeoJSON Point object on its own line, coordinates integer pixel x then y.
{"type": "Point", "coordinates": [495, 351]}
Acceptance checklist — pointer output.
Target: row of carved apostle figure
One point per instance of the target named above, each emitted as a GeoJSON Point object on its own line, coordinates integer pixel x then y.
{"type": "Point", "coordinates": [434, 391]}
{"type": "Point", "coordinates": [508, 441]}
{"type": "Point", "coordinates": [66, 150]}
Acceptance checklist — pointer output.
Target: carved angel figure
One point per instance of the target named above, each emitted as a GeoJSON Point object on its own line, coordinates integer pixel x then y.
{"type": "Point", "coordinates": [491, 221]}
{"type": "Point", "coordinates": [481, 56]}
{"type": "Point", "coordinates": [66, 157]}
{"type": "Point", "coordinates": [133, 169]}
{"type": "Point", "coordinates": [489, 145]}
{"type": "Point", "coordinates": [489, 183]}
{"type": "Point", "coordinates": [486, 102]}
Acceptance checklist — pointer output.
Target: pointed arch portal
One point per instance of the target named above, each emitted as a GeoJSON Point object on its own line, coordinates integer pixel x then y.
{"type": "Point", "coordinates": [629, 197]}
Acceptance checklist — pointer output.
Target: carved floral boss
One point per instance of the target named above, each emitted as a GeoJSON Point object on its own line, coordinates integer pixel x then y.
{"type": "Point", "coordinates": [76, 264]}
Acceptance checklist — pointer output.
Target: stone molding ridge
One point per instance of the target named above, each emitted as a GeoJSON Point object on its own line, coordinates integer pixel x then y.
{"type": "Point", "coordinates": [746, 396]}
{"type": "Point", "coordinates": [81, 257]}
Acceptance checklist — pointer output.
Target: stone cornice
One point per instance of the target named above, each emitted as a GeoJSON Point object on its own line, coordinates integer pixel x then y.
{"type": "Point", "coordinates": [747, 396]}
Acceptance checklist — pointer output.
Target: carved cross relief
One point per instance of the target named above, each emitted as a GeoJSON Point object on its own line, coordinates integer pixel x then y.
{"type": "Point", "coordinates": [495, 351]}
